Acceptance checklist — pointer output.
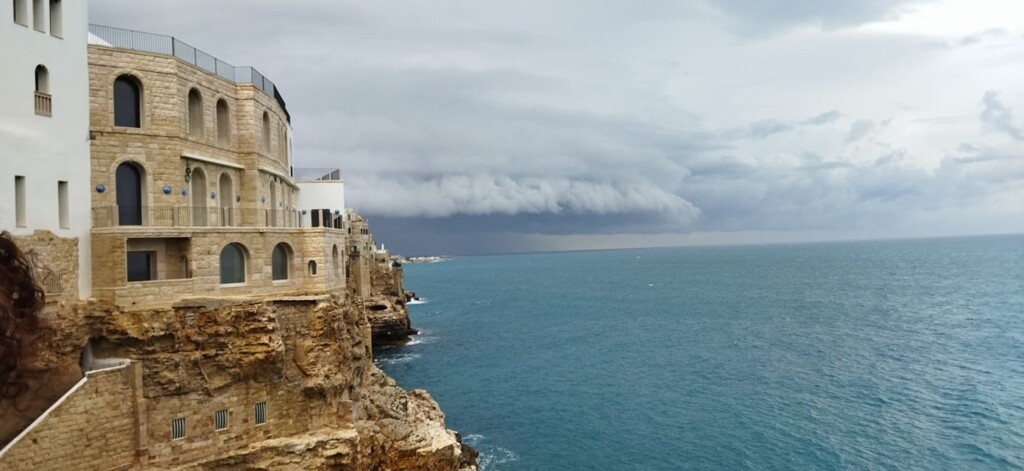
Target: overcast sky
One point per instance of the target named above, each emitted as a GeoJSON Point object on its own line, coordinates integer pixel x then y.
{"type": "Point", "coordinates": [467, 126]}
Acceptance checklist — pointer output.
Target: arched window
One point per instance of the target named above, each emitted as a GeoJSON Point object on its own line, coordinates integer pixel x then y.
{"type": "Point", "coordinates": [128, 186]}
{"type": "Point", "coordinates": [280, 260]}
{"type": "Point", "coordinates": [195, 113]}
{"type": "Point", "coordinates": [232, 264]}
{"type": "Point", "coordinates": [200, 210]}
{"type": "Point", "coordinates": [281, 143]}
{"type": "Point", "coordinates": [226, 193]}
{"type": "Point", "coordinates": [44, 105]}
{"type": "Point", "coordinates": [312, 268]}
{"type": "Point", "coordinates": [223, 125]}
{"type": "Point", "coordinates": [266, 132]}
{"type": "Point", "coordinates": [334, 262]}
{"type": "Point", "coordinates": [127, 102]}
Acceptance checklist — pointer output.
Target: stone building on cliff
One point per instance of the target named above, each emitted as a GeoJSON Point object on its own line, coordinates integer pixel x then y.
{"type": "Point", "coordinates": [206, 315]}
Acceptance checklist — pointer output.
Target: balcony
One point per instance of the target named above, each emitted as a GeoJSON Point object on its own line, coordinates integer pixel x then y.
{"type": "Point", "coordinates": [44, 104]}
{"type": "Point", "coordinates": [185, 216]}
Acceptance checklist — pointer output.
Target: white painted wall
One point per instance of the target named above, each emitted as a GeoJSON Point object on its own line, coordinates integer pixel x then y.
{"type": "Point", "coordinates": [320, 195]}
{"type": "Point", "coordinates": [46, 150]}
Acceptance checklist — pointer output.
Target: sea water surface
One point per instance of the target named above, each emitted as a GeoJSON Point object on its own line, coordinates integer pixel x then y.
{"type": "Point", "coordinates": [864, 356]}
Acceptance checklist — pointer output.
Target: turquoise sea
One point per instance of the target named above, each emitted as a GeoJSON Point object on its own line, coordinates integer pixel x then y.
{"type": "Point", "coordinates": [894, 355]}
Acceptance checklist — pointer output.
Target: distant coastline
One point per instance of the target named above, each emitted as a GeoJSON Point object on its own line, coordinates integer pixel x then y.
{"type": "Point", "coordinates": [423, 259]}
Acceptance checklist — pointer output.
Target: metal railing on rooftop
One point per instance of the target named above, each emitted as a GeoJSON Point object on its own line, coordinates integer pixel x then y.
{"type": "Point", "coordinates": [311, 174]}
{"type": "Point", "coordinates": [171, 46]}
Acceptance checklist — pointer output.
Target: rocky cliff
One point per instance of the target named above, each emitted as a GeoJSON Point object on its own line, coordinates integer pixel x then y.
{"type": "Point", "coordinates": [308, 361]}
{"type": "Point", "coordinates": [386, 307]}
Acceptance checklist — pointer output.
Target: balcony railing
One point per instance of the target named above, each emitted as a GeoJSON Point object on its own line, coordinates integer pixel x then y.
{"type": "Point", "coordinates": [185, 216]}
{"type": "Point", "coordinates": [44, 104]}
{"type": "Point", "coordinates": [317, 174]}
{"type": "Point", "coordinates": [171, 46]}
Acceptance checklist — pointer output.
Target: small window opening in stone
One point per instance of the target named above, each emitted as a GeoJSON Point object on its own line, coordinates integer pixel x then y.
{"type": "Point", "coordinates": [220, 419]}
{"type": "Point", "coordinates": [62, 204]}
{"type": "Point", "coordinates": [223, 123]}
{"type": "Point", "coordinates": [312, 268]}
{"type": "Point", "coordinates": [195, 113]}
{"type": "Point", "coordinates": [56, 19]}
{"type": "Point", "coordinates": [178, 428]}
{"type": "Point", "coordinates": [261, 413]}
{"type": "Point", "coordinates": [266, 132]}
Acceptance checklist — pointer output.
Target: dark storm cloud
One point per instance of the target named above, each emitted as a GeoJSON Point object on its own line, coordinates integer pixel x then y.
{"type": "Point", "coordinates": [462, 126]}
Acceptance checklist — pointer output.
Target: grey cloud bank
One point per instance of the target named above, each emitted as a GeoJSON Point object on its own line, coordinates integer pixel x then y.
{"type": "Point", "coordinates": [468, 127]}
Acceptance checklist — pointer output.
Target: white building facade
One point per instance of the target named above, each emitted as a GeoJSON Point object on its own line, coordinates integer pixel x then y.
{"type": "Point", "coordinates": [44, 123]}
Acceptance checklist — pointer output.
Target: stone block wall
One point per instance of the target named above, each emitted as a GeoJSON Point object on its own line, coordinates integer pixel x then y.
{"type": "Point", "coordinates": [56, 261]}
{"type": "Point", "coordinates": [316, 245]}
{"type": "Point", "coordinates": [158, 146]}
{"type": "Point", "coordinates": [93, 428]}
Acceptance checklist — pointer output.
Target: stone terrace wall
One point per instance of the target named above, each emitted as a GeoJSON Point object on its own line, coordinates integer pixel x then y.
{"type": "Point", "coordinates": [94, 428]}
{"type": "Point", "coordinates": [56, 257]}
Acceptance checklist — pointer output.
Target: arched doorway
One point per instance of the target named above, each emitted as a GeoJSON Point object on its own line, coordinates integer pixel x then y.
{"type": "Point", "coordinates": [227, 200]}
{"type": "Point", "coordinates": [199, 210]}
{"type": "Point", "coordinates": [129, 195]}
{"type": "Point", "coordinates": [232, 264]}
{"type": "Point", "coordinates": [273, 204]}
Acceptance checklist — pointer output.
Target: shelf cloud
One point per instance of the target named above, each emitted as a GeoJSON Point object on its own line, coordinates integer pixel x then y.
{"type": "Point", "coordinates": [526, 125]}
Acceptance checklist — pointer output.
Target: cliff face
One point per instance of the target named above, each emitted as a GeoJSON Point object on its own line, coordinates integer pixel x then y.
{"type": "Point", "coordinates": [306, 362]}
{"type": "Point", "coordinates": [386, 306]}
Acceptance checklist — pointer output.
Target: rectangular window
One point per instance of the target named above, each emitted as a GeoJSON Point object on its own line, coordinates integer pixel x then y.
{"type": "Point", "coordinates": [21, 12]}
{"type": "Point", "coordinates": [178, 428]}
{"type": "Point", "coordinates": [62, 204]}
{"type": "Point", "coordinates": [220, 419]}
{"type": "Point", "coordinates": [56, 19]}
{"type": "Point", "coordinates": [261, 413]}
{"type": "Point", "coordinates": [19, 200]}
{"type": "Point", "coordinates": [39, 15]}
{"type": "Point", "coordinates": [141, 266]}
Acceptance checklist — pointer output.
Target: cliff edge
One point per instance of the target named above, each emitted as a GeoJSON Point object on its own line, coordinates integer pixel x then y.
{"type": "Point", "coordinates": [222, 385]}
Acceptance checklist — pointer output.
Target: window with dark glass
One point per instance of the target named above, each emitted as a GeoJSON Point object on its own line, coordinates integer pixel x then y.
{"type": "Point", "coordinates": [279, 260]}
{"type": "Point", "coordinates": [140, 266]}
{"type": "Point", "coordinates": [232, 264]}
{"type": "Point", "coordinates": [127, 102]}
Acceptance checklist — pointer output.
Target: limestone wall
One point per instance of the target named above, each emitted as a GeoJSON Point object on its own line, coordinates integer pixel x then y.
{"type": "Point", "coordinates": [163, 146]}
{"type": "Point", "coordinates": [95, 427]}
{"type": "Point", "coordinates": [323, 247]}
{"type": "Point", "coordinates": [56, 261]}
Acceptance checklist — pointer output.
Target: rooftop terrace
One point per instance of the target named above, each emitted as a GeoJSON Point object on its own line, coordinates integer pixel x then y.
{"type": "Point", "coordinates": [171, 46]}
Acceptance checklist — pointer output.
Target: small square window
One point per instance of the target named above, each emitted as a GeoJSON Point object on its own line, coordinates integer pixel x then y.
{"type": "Point", "coordinates": [178, 428]}
{"type": "Point", "coordinates": [220, 419]}
{"type": "Point", "coordinates": [261, 413]}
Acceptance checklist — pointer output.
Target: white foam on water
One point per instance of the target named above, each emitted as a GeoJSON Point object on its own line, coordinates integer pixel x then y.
{"type": "Point", "coordinates": [396, 359]}
{"type": "Point", "coordinates": [491, 457]}
{"type": "Point", "coordinates": [417, 301]}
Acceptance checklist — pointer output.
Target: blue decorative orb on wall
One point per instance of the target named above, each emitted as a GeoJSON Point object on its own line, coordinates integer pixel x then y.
{"type": "Point", "coordinates": [184, 191]}
{"type": "Point", "coordinates": [303, 211]}
{"type": "Point", "coordinates": [167, 189]}
{"type": "Point", "coordinates": [238, 198]}
{"type": "Point", "coordinates": [100, 188]}
{"type": "Point", "coordinates": [263, 199]}
{"type": "Point", "coordinates": [213, 195]}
